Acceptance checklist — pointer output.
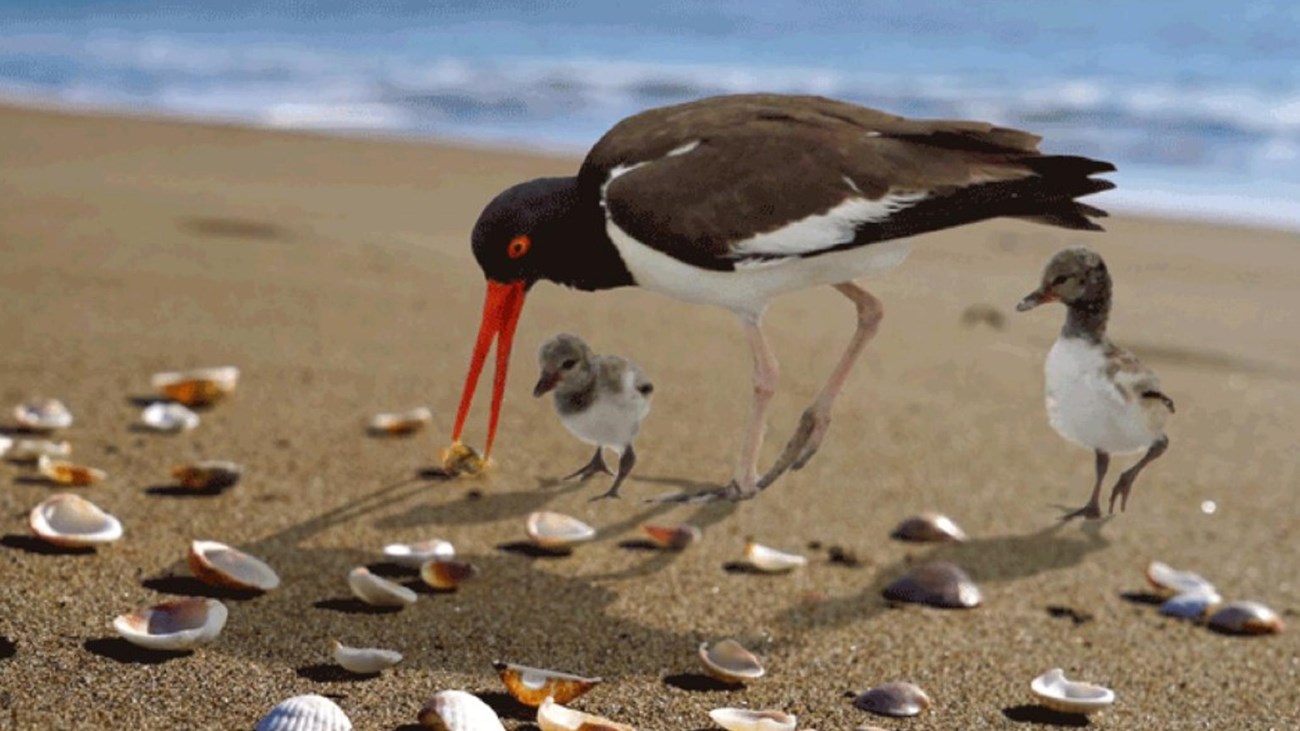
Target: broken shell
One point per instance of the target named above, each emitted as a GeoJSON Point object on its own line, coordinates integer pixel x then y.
{"type": "Point", "coordinates": [730, 662]}
{"type": "Point", "coordinates": [1191, 604]}
{"type": "Point", "coordinates": [673, 537]}
{"type": "Point", "coordinates": [220, 565]}
{"type": "Point", "coordinates": [43, 415]}
{"type": "Point", "coordinates": [552, 716]}
{"type": "Point", "coordinates": [207, 475]}
{"type": "Point", "coordinates": [1246, 618]}
{"type": "Point", "coordinates": [401, 423]}
{"type": "Point", "coordinates": [181, 624]}
{"type": "Point", "coordinates": [893, 699]}
{"type": "Point", "coordinates": [29, 450]}
{"type": "Point", "coordinates": [1069, 696]}
{"type": "Point", "coordinates": [929, 528]}
{"type": "Point", "coordinates": [378, 591]}
{"type": "Point", "coordinates": [197, 387]}
{"type": "Point", "coordinates": [461, 459]}
{"type": "Point", "coordinates": [531, 686]}
{"type": "Point", "coordinates": [415, 555]}
{"type": "Point", "coordinates": [770, 560]}
{"type": "Point", "coordinates": [937, 583]}
{"type": "Point", "coordinates": [364, 660]}
{"type": "Point", "coordinates": [446, 575]}
{"type": "Point", "coordinates": [71, 520]}
{"type": "Point", "coordinates": [744, 719]}
{"type": "Point", "coordinates": [456, 710]}
{"type": "Point", "coordinates": [305, 713]}
{"type": "Point", "coordinates": [1171, 581]}
{"type": "Point", "coordinates": [555, 530]}
{"type": "Point", "coordinates": [168, 417]}
{"type": "Point", "coordinates": [67, 473]}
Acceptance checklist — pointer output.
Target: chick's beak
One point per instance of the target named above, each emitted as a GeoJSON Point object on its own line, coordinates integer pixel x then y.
{"type": "Point", "coordinates": [546, 382]}
{"type": "Point", "coordinates": [1034, 299]}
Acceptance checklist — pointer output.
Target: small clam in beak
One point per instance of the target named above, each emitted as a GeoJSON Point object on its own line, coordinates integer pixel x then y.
{"type": "Point", "coordinates": [1034, 299]}
{"type": "Point", "coordinates": [545, 383]}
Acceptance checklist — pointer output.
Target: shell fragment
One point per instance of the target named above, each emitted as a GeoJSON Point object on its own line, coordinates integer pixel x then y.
{"type": "Point", "coordinates": [197, 387]}
{"type": "Point", "coordinates": [556, 530]}
{"type": "Point", "coordinates": [364, 660]}
{"type": "Point", "coordinates": [43, 415]}
{"type": "Point", "coordinates": [415, 555]}
{"type": "Point", "coordinates": [400, 423]}
{"type": "Point", "coordinates": [730, 662]}
{"type": "Point", "coordinates": [744, 719]}
{"type": "Point", "coordinates": [378, 591]}
{"type": "Point", "coordinates": [1068, 696]}
{"type": "Point", "coordinates": [770, 560]}
{"type": "Point", "coordinates": [165, 416]}
{"type": "Point", "coordinates": [66, 473]}
{"type": "Point", "coordinates": [552, 716]}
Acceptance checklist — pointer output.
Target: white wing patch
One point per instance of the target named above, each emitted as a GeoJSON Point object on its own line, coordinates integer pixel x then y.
{"type": "Point", "coordinates": [826, 230]}
{"type": "Point", "coordinates": [621, 170]}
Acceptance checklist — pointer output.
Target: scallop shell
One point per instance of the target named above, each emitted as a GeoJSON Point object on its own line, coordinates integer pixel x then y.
{"type": "Point", "coordinates": [67, 473]}
{"type": "Point", "coordinates": [197, 387]}
{"type": "Point", "coordinates": [43, 415]}
{"type": "Point", "coordinates": [456, 710]}
{"type": "Point", "coordinates": [165, 416]}
{"type": "Point", "coordinates": [364, 660]}
{"type": "Point", "coordinates": [929, 528]}
{"type": "Point", "coordinates": [530, 686]}
{"type": "Point", "coordinates": [461, 459]}
{"type": "Point", "coordinates": [1246, 618]}
{"type": "Point", "coordinates": [552, 716]}
{"type": "Point", "coordinates": [445, 574]}
{"type": "Point", "coordinates": [30, 450]}
{"type": "Point", "coordinates": [220, 565]}
{"type": "Point", "coordinates": [1171, 581]}
{"type": "Point", "coordinates": [181, 624]}
{"type": "Point", "coordinates": [378, 591]}
{"type": "Point", "coordinates": [674, 538]}
{"type": "Point", "coordinates": [400, 423]}
{"type": "Point", "coordinates": [770, 560]}
{"type": "Point", "coordinates": [556, 530]}
{"type": "Point", "coordinates": [1191, 604]}
{"type": "Point", "coordinates": [893, 699]}
{"type": "Point", "coordinates": [71, 520]}
{"type": "Point", "coordinates": [744, 719]}
{"type": "Point", "coordinates": [207, 475]}
{"type": "Point", "coordinates": [730, 662]}
{"type": "Point", "coordinates": [415, 555]}
{"type": "Point", "coordinates": [937, 583]}
{"type": "Point", "coordinates": [305, 713]}
{"type": "Point", "coordinates": [1068, 696]}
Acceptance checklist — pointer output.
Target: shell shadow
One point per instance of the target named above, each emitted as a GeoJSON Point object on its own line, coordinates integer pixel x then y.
{"type": "Point", "coordinates": [185, 492]}
{"type": "Point", "coordinates": [699, 683]}
{"type": "Point", "coordinates": [506, 706]}
{"type": "Point", "coordinates": [8, 648]}
{"type": "Point", "coordinates": [32, 544]}
{"type": "Point", "coordinates": [1044, 716]}
{"type": "Point", "coordinates": [331, 673]}
{"type": "Point", "coordinates": [352, 605]}
{"type": "Point", "coordinates": [190, 586]}
{"type": "Point", "coordinates": [119, 650]}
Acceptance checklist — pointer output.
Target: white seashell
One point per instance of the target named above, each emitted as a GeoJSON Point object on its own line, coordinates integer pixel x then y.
{"type": "Point", "coordinates": [456, 710]}
{"type": "Point", "coordinates": [400, 423]}
{"type": "Point", "coordinates": [30, 450]}
{"type": "Point", "coordinates": [165, 416]}
{"type": "Point", "coordinates": [1191, 604]}
{"type": "Point", "coordinates": [5, 445]}
{"type": "Point", "coordinates": [673, 538]}
{"type": "Point", "coordinates": [1069, 696]}
{"type": "Point", "coordinates": [71, 520]}
{"type": "Point", "coordinates": [552, 716]}
{"type": "Point", "coordinates": [771, 560]}
{"type": "Point", "coordinates": [220, 565]}
{"type": "Point", "coordinates": [199, 386]}
{"type": "Point", "coordinates": [212, 474]}
{"type": "Point", "coordinates": [1171, 581]}
{"type": "Point", "coordinates": [415, 555]}
{"type": "Point", "coordinates": [1246, 618]}
{"type": "Point", "coordinates": [378, 591]}
{"type": "Point", "coordinates": [305, 713]}
{"type": "Point", "coordinates": [67, 473]}
{"type": "Point", "coordinates": [730, 662]}
{"type": "Point", "coordinates": [531, 686]}
{"type": "Point", "coordinates": [556, 530]}
{"type": "Point", "coordinates": [43, 415]}
{"type": "Point", "coordinates": [893, 699]}
{"type": "Point", "coordinates": [175, 625]}
{"type": "Point", "coordinates": [937, 583]}
{"type": "Point", "coordinates": [365, 660]}
{"type": "Point", "coordinates": [929, 528]}
{"type": "Point", "coordinates": [744, 719]}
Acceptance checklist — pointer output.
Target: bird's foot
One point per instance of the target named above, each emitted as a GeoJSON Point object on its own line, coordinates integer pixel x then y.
{"type": "Point", "coordinates": [1121, 491]}
{"type": "Point", "coordinates": [1091, 511]}
{"type": "Point", "coordinates": [805, 442]}
{"type": "Point", "coordinates": [733, 491]}
{"type": "Point", "coordinates": [610, 493]}
{"type": "Point", "coordinates": [595, 467]}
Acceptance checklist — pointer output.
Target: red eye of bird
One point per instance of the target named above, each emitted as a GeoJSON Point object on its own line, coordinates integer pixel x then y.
{"type": "Point", "coordinates": [519, 246]}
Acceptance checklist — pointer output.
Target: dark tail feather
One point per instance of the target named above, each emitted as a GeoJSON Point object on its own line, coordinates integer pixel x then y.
{"type": "Point", "coordinates": [1060, 179]}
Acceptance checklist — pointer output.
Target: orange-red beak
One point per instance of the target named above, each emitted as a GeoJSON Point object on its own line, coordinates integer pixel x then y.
{"type": "Point", "coordinates": [505, 300]}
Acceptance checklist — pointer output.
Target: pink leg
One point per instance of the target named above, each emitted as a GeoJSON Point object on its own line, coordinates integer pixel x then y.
{"type": "Point", "coordinates": [766, 371]}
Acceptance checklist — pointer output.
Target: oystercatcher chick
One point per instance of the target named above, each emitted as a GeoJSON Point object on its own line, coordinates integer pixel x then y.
{"type": "Point", "coordinates": [601, 399]}
{"type": "Point", "coordinates": [1099, 395]}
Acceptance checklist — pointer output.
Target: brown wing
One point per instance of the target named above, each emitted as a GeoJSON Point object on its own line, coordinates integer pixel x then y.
{"type": "Point", "coordinates": [1131, 376]}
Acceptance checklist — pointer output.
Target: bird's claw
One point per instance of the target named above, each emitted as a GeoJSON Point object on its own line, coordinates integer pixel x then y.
{"type": "Point", "coordinates": [605, 496]}
{"type": "Point", "coordinates": [733, 491]}
{"type": "Point", "coordinates": [1120, 491]}
{"type": "Point", "coordinates": [595, 467]}
{"type": "Point", "coordinates": [803, 444]}
{"type": "Point", "coordinates": [1091, 511]}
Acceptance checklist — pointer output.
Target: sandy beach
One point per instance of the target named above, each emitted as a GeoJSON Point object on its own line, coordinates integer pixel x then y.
{"type": "Point", "coordinates": [336, 274]}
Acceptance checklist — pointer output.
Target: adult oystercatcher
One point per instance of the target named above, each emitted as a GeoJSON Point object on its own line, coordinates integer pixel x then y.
{"type": "Point", "coordinates": [733, 200]}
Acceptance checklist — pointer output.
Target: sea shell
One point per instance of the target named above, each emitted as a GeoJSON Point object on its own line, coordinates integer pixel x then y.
{"type": "Point", "coordinates": [30, 450]}
{"type": "Point", "coordinates": [197, 387]}
{"type": "Point", "coordinates": [937, 583]}
{"type": "Point", "coordinates": [929, 528]}
{"type": "Point", "coordinates": [1246, 618]}
{"type": "Point", "coordinates": [445, 574]}
{"type": "Point", "coordinates": [456, 710]}
{"type": "Point", "coordinates": [770, 560]}
{"type": "Point", "coordinates": [207, 475]}
{"type": "Point", "coordinates": [414, 555]}
{"type": "Point", "coordinates": [556, 530]}
{"type": "Point", "coordinates": [552, 716]}
{"type": "Point", "coordinates": [71, 520]}
{"type": "Point", "coordinates": [462, 459]}
{"type": "Point", "coordinates": [1171, 581]}
{"type": "Point", "coordinates": [181, 624]}
{"type": "Point", "coordinates": [43, 415]}
{"type": "Point", "coordinates": [305, 713]}
{"type": "Point", "coordinates": [401, 423]}
{"type": "Point", "coordinates": [5, 444]}
{"type": "Point", "coordinates": [165, 416]}
{"type": "Point", "coordinates": [220, 565]}
{"type": "Point", "coordinates": [673, 537]}
{"type": "Point", "coordinates": [378, 591]}
{"type": "Point", "coordinates": [730, 662]}
{"type": "Point", "coordinates": [744, 719]}
{"type": "Point", "coordinates": [530, 686]}
{"type": "Point", "coordinates": [893, 699]}
{"type": "Point", "coordinates": [1068, 696]}
{"type": "Point", "coordinates": [364, 660]}
{"type": "Point", "coordinates": [67, 473]}
{"type": "Point", "coordinates": [1191, 604]}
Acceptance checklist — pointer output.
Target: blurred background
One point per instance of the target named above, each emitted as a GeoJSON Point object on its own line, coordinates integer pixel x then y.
{"type": "Point", "coordinates": [1197, 101]}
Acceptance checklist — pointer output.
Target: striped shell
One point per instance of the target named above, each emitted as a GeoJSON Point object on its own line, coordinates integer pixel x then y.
{"type": "Point", "coordinates": [1246, 618]}
{"type": "Point", "coordinates": [305, 713]}
{"type": "Point", "coordinates": [893, 699]}
{"type": "Point", "coordinates": [456, 710]}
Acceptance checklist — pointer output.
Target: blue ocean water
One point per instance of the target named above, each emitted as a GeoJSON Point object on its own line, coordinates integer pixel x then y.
{"type": "Point", "coordinates": [1198, 102]}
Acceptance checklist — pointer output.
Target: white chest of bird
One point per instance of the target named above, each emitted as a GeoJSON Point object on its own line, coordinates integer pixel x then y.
{"type": "Point", "coordinates": [614, 417]}
{"type": "Point", "coordinates": [1086, 405]}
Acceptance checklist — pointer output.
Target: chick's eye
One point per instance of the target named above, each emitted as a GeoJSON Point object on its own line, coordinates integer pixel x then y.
{"type": "Point", "coordinates": [1059, 280]}
{"type": "Point", "coordinates": [569, 364]}
{"type": "Point", "coordinates": [518, 246]}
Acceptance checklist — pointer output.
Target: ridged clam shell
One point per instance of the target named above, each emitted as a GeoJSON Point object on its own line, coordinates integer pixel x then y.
{"type": "Point", "coordinates": [929, 528]}
{"type": "Point", "coordinates": [43, 415]}
{"type": "Point", "coordinates": [1246, 618]}
{"type": "Point", "coordinates": [730, 662]}
{"type": "Point", "coordinates": [674, 538]}
{"type": "Point", "coordinates": [770, 560]}
{"type": "Point", "coordinates": [31, 450]}
{"type": "Point", "coordinates": [549, 529]}
{"type": "Point", "coordinates": [1171, 581]}
{"type": "Point", "coordinates": [212, 474]}
{"type": "Point", "coordinates": [71, 520]}
{"type": "Point", "coordinates": [1067, 696]}
{"type": "Point", "coordinates": [893, 699]}
{"type": "Point", "coordinates": [400, 423]}
{"type": "Point", "coordinates": [181, 624]}
{"type": "Point", "coordinates": [364, 660]}
{"type": "Point", "coordinates": [197, 387]}
{"type": "Point", "coordinates": [1191, 604]}
{"type": "Point", "coordinates": [165, 416]}
{"type": "Point", "coordinates": [462, 459]}
{"type": "Point", "coordinates": [67, 473]}
{"type": "Point", "coordinates": [305, 713]}
{"type": "Point", "coordinates": [744, 719]}
{"type": "Point", "coordinates": [937, 583]}
{"type": "Point", "coordinates": [530, 686]}
{"type": "Point", "coordinates": [414, 555]}
{"type": "Point", "coordinates": [446, 575]}
{"type": "Point", "coordinates": [217, 564]}
{"type": "Point", "coordinates": [456, 710]}
{"type": "Point", "coordinates": [552, 716]}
